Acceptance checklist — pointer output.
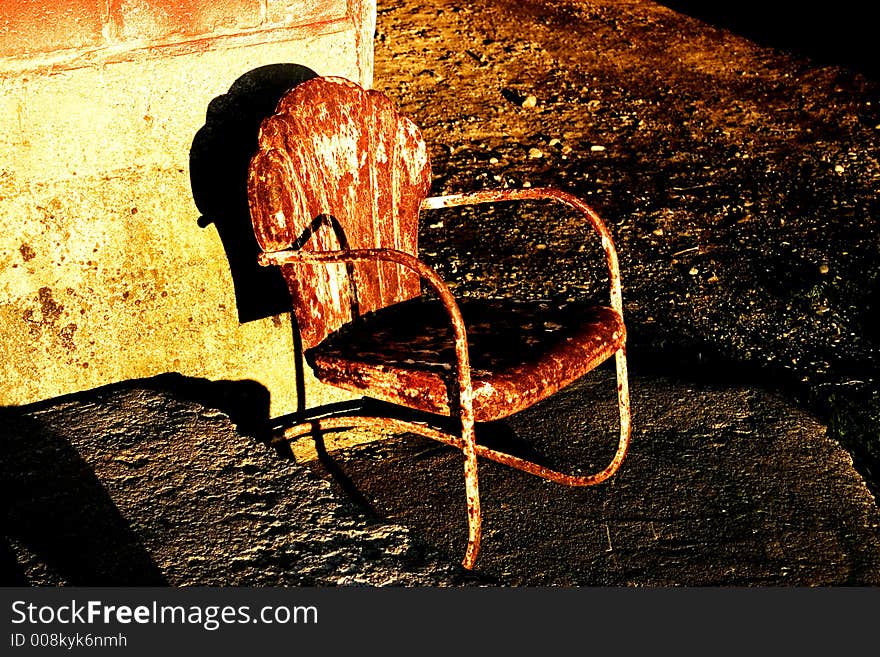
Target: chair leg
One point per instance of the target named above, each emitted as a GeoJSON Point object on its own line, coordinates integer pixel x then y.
{"type": "Point", "coordinates": [472, 492]}
{"type": "Point", "coordinates": [623, 404]}
{"type": "Point", "coordinates": [467, 443]}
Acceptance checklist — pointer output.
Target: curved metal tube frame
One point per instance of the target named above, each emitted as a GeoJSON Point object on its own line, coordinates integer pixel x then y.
{"type": "Point", "coordinates": [466, 442]}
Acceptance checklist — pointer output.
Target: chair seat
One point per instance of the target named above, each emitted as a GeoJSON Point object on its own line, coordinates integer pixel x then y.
{"type": "Point", "coordinates": [520, 353]}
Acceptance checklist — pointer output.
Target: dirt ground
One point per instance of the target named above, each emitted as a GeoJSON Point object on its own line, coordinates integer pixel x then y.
{"type": "Point", "coordinates": [740, 182]}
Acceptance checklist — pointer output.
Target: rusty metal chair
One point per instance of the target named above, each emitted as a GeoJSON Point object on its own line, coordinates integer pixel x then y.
{"type": "Point", "coordinates": [335, 191]}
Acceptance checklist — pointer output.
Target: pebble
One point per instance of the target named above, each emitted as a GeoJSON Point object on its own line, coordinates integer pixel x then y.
{"type": "Point", "coordinates": [596, 148]}
{"type": "Point", "coordinates": [535, 153]}
{"type": "Point", "coordinates": [694, 271]}
{"type": "Point", "coordinates": [658, 232]}
{"type": "Point", "coordinates": [530, 101]}
{"type": "Point", "coordinates": [824, 268]}
{"type": "Point", "coordinates": [838, 168]}
{"type": "Point", "coordinates": [554, 142]}
{"type": "Point", "coordinates": [493, 160]}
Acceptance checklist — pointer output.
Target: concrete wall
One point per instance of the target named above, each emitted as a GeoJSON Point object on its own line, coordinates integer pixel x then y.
{"type": "Point", "coordinates": [125, 128]}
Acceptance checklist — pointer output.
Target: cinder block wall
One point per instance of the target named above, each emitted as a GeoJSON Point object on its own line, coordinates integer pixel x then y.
{"type": "Point", "coordinates": [123, 128]}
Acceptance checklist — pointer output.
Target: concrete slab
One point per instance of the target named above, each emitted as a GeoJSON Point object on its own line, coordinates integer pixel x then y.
{"type": "Point", "coordinates": [152, 483]}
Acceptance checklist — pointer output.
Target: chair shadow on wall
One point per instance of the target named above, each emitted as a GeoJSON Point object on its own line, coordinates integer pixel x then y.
{"type": "Point", "coordinates": [219, 159]}
{"type": "Point", "coordinates": [59, 523]}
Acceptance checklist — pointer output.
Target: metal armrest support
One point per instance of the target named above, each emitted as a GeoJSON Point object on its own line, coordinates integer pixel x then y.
{"type": "Point", "coordinates": [552, 193]}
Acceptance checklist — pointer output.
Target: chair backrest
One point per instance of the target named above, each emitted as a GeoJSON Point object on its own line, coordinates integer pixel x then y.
{"type": "Point", "coordinates": [337, 167]}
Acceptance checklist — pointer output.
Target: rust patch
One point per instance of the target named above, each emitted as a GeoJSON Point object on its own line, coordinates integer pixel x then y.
{"type": "Point", "coordinates": [27, 252]}
{"type": "Point", "coordinates": [50, 308]}
{"type": "Point", "coordinates": [66, 337]}
{"type": "Point", "coordinates": [50, 313]}
{"type": "Point", "coordinates": [35, 327]}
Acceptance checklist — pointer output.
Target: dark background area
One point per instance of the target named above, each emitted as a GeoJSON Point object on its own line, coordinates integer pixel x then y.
{"type": "Point", "coordinates": [837, 33]}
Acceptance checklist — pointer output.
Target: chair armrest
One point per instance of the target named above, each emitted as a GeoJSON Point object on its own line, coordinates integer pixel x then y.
{"type": "Point", "coordinates": [426, 273]}
{"type": "Point", "coordinates": [544, 193]}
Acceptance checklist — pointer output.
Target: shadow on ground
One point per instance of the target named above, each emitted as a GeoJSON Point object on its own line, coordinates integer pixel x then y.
{"type": "Point", "coordinates": [58, 517]}
{"type": "Point", "coordinates": [151, 482]}
{"type": "Point", "coordinates": [56, 509]}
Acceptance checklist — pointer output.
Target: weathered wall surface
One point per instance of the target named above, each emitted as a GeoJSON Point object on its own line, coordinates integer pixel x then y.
{"type": "Point", "coordinates": [107, 272]}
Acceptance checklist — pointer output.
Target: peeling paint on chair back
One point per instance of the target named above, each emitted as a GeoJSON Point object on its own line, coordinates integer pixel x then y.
{"type": "Point", "coordinates": [337, 167]}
